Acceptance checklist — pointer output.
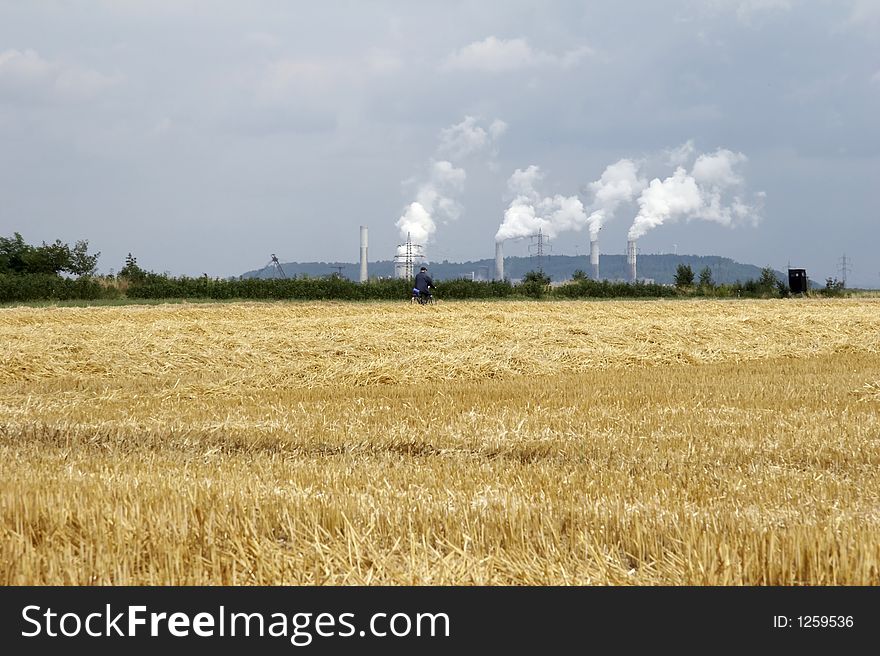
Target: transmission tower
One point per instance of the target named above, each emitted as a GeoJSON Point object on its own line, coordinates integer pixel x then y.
{"type": "Point", "coordinates": [408, 255]}
{"type": "Point", "coordinates": [844, 265]}
{"type": "Point", "coordinates": [277, 266]}
{"type": "Point", "coordinates": [537, 249]}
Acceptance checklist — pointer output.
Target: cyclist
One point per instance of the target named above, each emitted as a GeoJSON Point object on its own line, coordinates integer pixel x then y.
{"type": "Point", "coordinates": [423, 285]}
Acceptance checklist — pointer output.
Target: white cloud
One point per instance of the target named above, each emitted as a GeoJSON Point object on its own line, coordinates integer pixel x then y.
{"type": "Point", "coordinates": [865, 12]}
{"type": "Point", "coordinates": [382, 62]}
{"type": "Point", "coordinates": [468, 137]}
{"type": "Point", "coordinates": [682, 155]}
{"type": "Point", "coordinates": [499, 127]}
{"type": "Point", "coordinates": [26, 73]}
{"type": "Point", "coordinates": [287, 78]}
{"type": "Point", "coordinates": [746, 10]}
{"type": "Point", "coordinates": [262, 40]}
{"type": "Point", "coordinates": [26, 65]}
{"type": "Point", "coordinates": [494, 55]}
{"type": "Point", "coordinates": [162, 127]}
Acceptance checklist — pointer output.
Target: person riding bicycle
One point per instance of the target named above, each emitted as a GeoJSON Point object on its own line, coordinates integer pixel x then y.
{"type": "Point", "coordinates": [423, 284]}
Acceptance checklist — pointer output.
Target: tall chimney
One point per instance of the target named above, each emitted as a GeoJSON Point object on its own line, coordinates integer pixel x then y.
{"type": "Point", "coordinates": [363, 277]}
{"type": "Point", "coordinates": [499, 260]}
{"type": "Point", "coordinates": [631, 259]}
{"type": "Point", "coordinates": [594, 257]}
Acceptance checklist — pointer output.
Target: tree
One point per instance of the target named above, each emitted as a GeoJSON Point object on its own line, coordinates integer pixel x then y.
{"type": "Point", "coordinates": [684, 276]}
{"type": "Point", "coordinates": [18, 257]}
{"type": "Point", "coordinates": [706, 281]}
{"type": "Point", "coordinates": [131, 270]}
{"type": "Point", "coordinates": [14, 254]}
{"type": "Point", "coordinates": [537, 276]}
{"type": "Point", "coordinates": [81, 263]}
{"type": "Point", "coordinates": [535, 283]}
{"type": "Point", "coordinates": [579, 274]}
{"type": "Point", "coordinates": [767, 282]}
{"type": "Point", "coordinates": [50, 258]}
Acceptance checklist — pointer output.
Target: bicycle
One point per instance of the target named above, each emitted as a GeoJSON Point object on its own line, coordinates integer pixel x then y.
{"type": "Point", "coordinates": [421, 299]}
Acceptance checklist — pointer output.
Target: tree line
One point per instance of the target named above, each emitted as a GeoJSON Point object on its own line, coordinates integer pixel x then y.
{"type": "Point", "coordinates": [58, 272]}
{"type": "Point", "coordinates": [767, 285]}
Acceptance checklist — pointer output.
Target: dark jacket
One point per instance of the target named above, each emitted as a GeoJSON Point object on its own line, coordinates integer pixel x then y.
{"type": "Point", "coordinates": [423, 281]}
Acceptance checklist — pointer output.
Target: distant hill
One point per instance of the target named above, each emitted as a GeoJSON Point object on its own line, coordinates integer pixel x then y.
{"type": "Point", "coordinates": [661, 268]}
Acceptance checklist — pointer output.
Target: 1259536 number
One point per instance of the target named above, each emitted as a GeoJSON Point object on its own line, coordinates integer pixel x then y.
{"type": "Point", "coordinates": [825, 621]}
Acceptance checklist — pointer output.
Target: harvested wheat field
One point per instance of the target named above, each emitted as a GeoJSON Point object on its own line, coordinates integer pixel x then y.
{"type": "Point", "coordinates": [620, 443]}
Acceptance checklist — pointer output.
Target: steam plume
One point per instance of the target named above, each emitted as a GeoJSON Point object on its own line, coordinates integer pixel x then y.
{"type": "Point", "coordinates": [529, 212]}
{"type": "Point", "coordinates": [436, 197]}
{"type": "Point", "coordinates": [619, 183]}
{"type": "Point", "coordinates": [705, 193]}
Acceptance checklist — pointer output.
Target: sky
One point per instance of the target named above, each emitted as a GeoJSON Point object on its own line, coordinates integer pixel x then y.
{"type": "Point", "coordinates": [204, 136]}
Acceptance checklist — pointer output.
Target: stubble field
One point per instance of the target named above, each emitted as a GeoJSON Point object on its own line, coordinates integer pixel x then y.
{"type": "Point", "coordinates": [706, 442]}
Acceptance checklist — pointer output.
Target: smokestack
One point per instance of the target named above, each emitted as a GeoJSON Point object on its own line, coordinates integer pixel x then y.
{"type": "Point", "coordinates": [594, 257]}
{"type": "Point", "coordinates": [363, 277]}
{"type": "Point", "coordinates": [499, 260]}
{"type": "Point", "coordinates": [631, 259]}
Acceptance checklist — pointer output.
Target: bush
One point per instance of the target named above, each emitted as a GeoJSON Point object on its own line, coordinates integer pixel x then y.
{"type": "Point", "coordinates": [607, 289]}
{"type": "Point", "coordinates": [49, 287]}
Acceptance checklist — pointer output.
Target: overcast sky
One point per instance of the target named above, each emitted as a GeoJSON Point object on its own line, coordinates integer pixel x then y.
{"type": "Point", "coordinates": [202, 136]}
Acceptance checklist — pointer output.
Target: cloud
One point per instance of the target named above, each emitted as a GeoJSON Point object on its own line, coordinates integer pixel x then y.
{"type": "Point", "coordinates": [382, 62]}
{"type": "Point", "coordinates": [746, 10]}
{"type": "Point", "coordinates": [494, 55]}
{"type": "Point", "coordinates": [750, 11]}
{"type": "Point", "coordinates": [466, 138]}
{"type": "Point", "coordinates": [261, 40]}
{"type": "Point", "coordinates": [681, 155]}
{"type": "Point", "coordinates": [25, 74]}
{"type": "Point", "coordinates": [286, 78]}
{"type": "Point", "coordinates": [865, 12]}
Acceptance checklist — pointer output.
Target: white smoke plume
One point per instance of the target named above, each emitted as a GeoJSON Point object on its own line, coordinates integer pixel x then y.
{"type": "Point", "coordinates": [676, 195]}
{"type": "Point", "coordinates": [467, 138]}
{"type": "Point", "coordinates": [529, 212]}
{"type": "Point", "coordinates": [435, 197]}
{"type": "Point", "coordinates": [619, 183]}
{"type": "Point", "coordinates": [707, 193]}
